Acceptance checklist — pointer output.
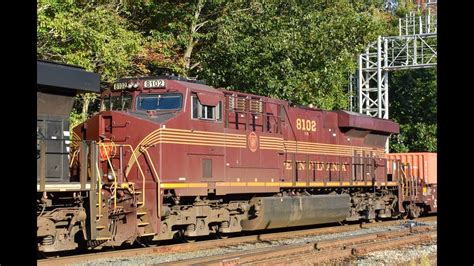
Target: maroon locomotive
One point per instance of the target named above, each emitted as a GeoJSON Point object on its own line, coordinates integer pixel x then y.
{"type": "Point", "coordinates": [170, 157]}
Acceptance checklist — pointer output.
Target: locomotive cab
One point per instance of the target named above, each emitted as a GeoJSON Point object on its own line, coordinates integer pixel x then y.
{"type": "Point", "coordinates": [142, 97]}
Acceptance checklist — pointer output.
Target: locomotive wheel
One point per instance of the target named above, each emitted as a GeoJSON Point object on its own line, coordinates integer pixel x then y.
{"type": "Point", "coordinates": [217, 234]}
{"type": "Point", "coordinates": [50, 255]}
{"type": "Point", "coordinates": [412, 211]}
{"type": "Point", "coordinates": [181, 237]}
{"type": "Point", "coordinates": [144, 241]}
{"type": "Point", "coordinates": [220, 235]}
{"type": "Point", "coordinates": [41, 255]}
{"type": "Point", "coordinates": [404, 216]}
{"type": "Point", "coordinates": [343, 223]}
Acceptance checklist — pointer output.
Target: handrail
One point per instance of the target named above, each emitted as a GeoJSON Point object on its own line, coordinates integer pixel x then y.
{"type": "Point", "coordinates": [100, 190]}
{"type": "Point", "coordinates": [113, 173]}
{"type": "Point", "coordinates": [138, 165]}
{"type": "Point", "coordinates": [74, 154]}
{"type": "Point", "coordinates": [141, 172]}
{"type": "Point", "coordinates": [403, 179]}
{"type": "Point", "coordinates": [159, 182]}
{"type": "Point", "coordinates": [42, 162]}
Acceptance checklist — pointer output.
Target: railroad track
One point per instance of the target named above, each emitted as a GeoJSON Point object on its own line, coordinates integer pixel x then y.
{"type": "Point", "coordinates": [317, 252]}
{"type": "Point", "coordinates": [314, 251]}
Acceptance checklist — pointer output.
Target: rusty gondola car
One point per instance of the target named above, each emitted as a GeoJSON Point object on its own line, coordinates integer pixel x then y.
{"type": "Point", "coordinates": [419, 183]}
{"type": "Point", "coordinates": [170, 158]}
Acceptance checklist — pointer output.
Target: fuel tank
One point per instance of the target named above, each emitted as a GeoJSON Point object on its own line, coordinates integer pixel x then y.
{"type": "Point", "coordinates": [289, 211]}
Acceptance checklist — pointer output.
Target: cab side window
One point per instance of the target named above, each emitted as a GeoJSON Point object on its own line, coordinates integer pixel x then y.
{"type": "Point", "coordinates": [205, 112]}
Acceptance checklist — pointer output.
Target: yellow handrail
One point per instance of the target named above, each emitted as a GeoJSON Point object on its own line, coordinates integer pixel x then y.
{"type": "Point", "coordinates": [74, 153]}
{"type": "Point", "coordinates": [113, 173]}
{"type": "Point", "coordinates": [402, 181]}
{"type": "Point", "coordinates": [100, 191]}
{"type": "Point", "coordinates": [138, 165]}
{"type": "Point", "coordinates": [159, 182]}
{"type": "Point", "coordinates": [141, 172]}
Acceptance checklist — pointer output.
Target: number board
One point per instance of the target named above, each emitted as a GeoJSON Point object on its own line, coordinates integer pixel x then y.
{"type": "Point", "coordinates": [120, 86]}
{"type": "Point", "coordinates": [154, 83]}
{"type": "Point", "coordinates": [306, 125]}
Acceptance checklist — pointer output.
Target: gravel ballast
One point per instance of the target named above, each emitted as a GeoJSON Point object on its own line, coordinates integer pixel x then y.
{"type": "Point", "coordinates": [367, 260]}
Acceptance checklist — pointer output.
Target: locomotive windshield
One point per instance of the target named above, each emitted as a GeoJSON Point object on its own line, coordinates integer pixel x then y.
{"type": "Point", "coordinates": [117, 103]}
{"type": "Point", "coordinates": [167, 101]}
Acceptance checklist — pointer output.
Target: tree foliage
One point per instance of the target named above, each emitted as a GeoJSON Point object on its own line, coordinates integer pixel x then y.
{"type": "Point", "coordinates": [93, 37]}
{"type": "Point", "coordinates": [294, 50]}
{"type": "Point", "coordinates": [302, 51]}
{"type": "Point", "coordinates": [413, 95]}
{"type": "Point", "coordinates": [413, 104]}
{"type": "Point", "coordinates": [181, 25]}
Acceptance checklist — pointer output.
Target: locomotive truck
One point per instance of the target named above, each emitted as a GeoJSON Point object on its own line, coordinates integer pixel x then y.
{"type": "Point", "coordinates": [168, 157]}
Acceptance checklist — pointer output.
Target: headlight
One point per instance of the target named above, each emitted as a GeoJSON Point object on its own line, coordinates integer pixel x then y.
{"type": "Point", "coordinates": [135, 85]}
{"type": "Point", "coordinates": [110, 175]}
{"type": "Point", "coordinates": [130, 85]}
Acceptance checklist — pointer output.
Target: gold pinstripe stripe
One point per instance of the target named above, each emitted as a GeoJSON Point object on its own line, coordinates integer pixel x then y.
{"type": "Point", "coordinates": [255, 184]}
{"type": "Point", "coordinates": [266, 147]}
{"type": "Point", "coordinates": [192, 139]}
{"type": "Point", "coordinates": [275, 184]}
{"type": "Point", "coordinates": [280, 143]}
{"type": "Point", "coordinates": [333, 184]}
{"type": "Point", "coordinates": [241, 139]}
{"type": "Point", "coordinates": [75, 136]}
{"type": "Point", "coordinates": [217, 142]}
{"type": "Point", "coordinates": [318, 152]}
{"type": "Point", "coordinates": [271, 138]}
{"type": "Point", "coordinates": [204, 138]}
{"type": "Point", "coordinates": [202, 144]}
{"type": "Point", "coordinates": [275, 149]}
{"type": "Point", "coordinates": [263, 146]}
{"type": "Point", "coordinates": [200, 135]}
{"type": "Point", "coordinates": [272, 184]}
{"type": "Point", "coordinates": [74, 139]}
{"type": "Point", "coordinates": [182, 185]}
{"type": "Point", "coordinates": [289, 142]}
{"type": "Point", "coordinates": [315, 147]}
{"type": "Point", "coordinates": [271, 143]}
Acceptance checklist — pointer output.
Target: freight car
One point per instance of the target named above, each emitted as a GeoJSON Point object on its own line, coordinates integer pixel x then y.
{"type": "Point", "coordinates": [169, 157]}
{"type": "Point", "coordinates": [419, 182]}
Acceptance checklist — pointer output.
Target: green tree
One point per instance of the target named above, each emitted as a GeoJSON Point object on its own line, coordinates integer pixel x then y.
{"type": "Point", "coordinates": [293, 50]}
{"type": "Point", "coordinates": [183, 25]}
{"type": "Point", "coordinates": [413, 104]}
{"type": "Point", "coordinates": [94, 37]}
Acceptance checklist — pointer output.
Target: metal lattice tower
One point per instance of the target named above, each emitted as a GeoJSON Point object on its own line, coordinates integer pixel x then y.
{"type": "Point", "coordinates": [415, 47]}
